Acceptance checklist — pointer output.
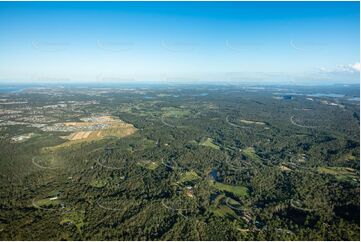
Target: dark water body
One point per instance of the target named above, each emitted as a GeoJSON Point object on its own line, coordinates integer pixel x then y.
{"type": "Point", "coordinates": [214, 196]}
{"type": "Point", "coordinates": [214, 175]}
{"type": "Point", "coordinates": [287, 97]}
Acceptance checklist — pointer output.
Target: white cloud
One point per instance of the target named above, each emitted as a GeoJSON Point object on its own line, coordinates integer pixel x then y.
{"type": "Point", "coordinates": [349, 68]}
{"type": "Point", "coordinates": [357, 66]}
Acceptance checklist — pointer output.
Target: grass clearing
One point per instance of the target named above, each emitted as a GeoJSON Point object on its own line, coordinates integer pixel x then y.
{"type": "Point", "coordinates": [341, 173]}
{"type": "Point", "coordinates": [209, 143]}
{"type": "Point", "coordinates": [347, 157]}
{"type": "Point", "coordinates": [150, 165]}
{"type": "Point", "coordinates": [224, 211]}
{"type": "Point", "coordinates": [251, 154]}
{"type": "Point", "coordinates": [188, 176]}
{"type": "Point", "coordinates": [175, 112]}
{"type": "Point", "coordinates": [98, 183]}
{"type": "Point", "coordinates": [239, 191]}
{"type": "Point", "coordinates": [74, 217]}
{"type": "Point", "coordinates": [48, 202]}
{"type": "Point", "coordinates": [220, 209]}
{"type": "Point", "coordinates": [233, 202]}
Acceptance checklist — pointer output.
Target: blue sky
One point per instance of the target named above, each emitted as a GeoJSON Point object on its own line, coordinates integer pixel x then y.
{"type": "Point", "coordinates": [287, 42]}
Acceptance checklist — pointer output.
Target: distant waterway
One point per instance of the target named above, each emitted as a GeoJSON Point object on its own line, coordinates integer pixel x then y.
{"type": "Point", "coordinates": [356, 99]}
{"type": "Point", "coordinates": [326, 95]}
{"type": "Point", "coordinates": [204, 94]}
{"type": "Point", "coordinates": [4, 89]}
{"type": "Point", "coordinates": [334, 95]}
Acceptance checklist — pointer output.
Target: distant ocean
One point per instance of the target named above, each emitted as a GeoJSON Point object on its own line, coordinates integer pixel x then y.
{"type": "Point", "coordinates": [5, 89]}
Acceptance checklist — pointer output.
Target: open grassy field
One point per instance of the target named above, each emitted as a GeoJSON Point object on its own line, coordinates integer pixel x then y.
{"type": "Point", "coordinates": [188, 176]}
{"type": "Point", "coordinates": [75, 217]}
{"type": "Point", "coordinates": [219, 208]}
{"type": "Point", "coordinates": [175, 112]}
{"type": "Point", "coordinates": [240, 191]}
{"type": "Point", "coordinates": [347, 157]}
{"type": "Point", "coordinates": [224, 211]}
{"type": "Point", "coordinates": [96, 183]}
{"type": "Point", "coordinates": [47, 202]}
{"type": "Point", "coordinates": [209, 143]}
{"type": "Point", "coordinates": [148, 164]}
{"type": "Point", "coordinates": [251, 154]}
{"type": "Point", "coordinates": [341, 173]}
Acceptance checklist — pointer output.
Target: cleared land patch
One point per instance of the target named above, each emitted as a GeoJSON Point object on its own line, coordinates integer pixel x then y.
{"type": "Point", "coordinates": [251, 154]}
{"type": "Point", "coordinates": [209, 143]}
{"type": "Point", "coordinates": [175, 112]}
{"type": "Point", "coordinates": [46, 203]}
{"type": "Point", "coordinates": [341, 173]}
{"type": "Point", "coordinates": [148, 164]}
{"type": "Point", "coordinates": [285, 168]}
{"type": "Point", "coordinates": [98, 183]}
{"type": "Point", "coordinates": [22, 138]}
{"type": "Point", "coordinates": [219, 208]}
{"type": "Point", "coordinates": [96, 128]}
{"type": "Point", "coordinates": [240, 191]}
{"type": "Point", "coordinates": [188, 176]}
{"type": "Point", "coordinates": [74, 217]}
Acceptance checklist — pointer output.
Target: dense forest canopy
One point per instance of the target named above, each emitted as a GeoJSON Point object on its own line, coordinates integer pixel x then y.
{"type": "Point", "coordinates": [178, 162]}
